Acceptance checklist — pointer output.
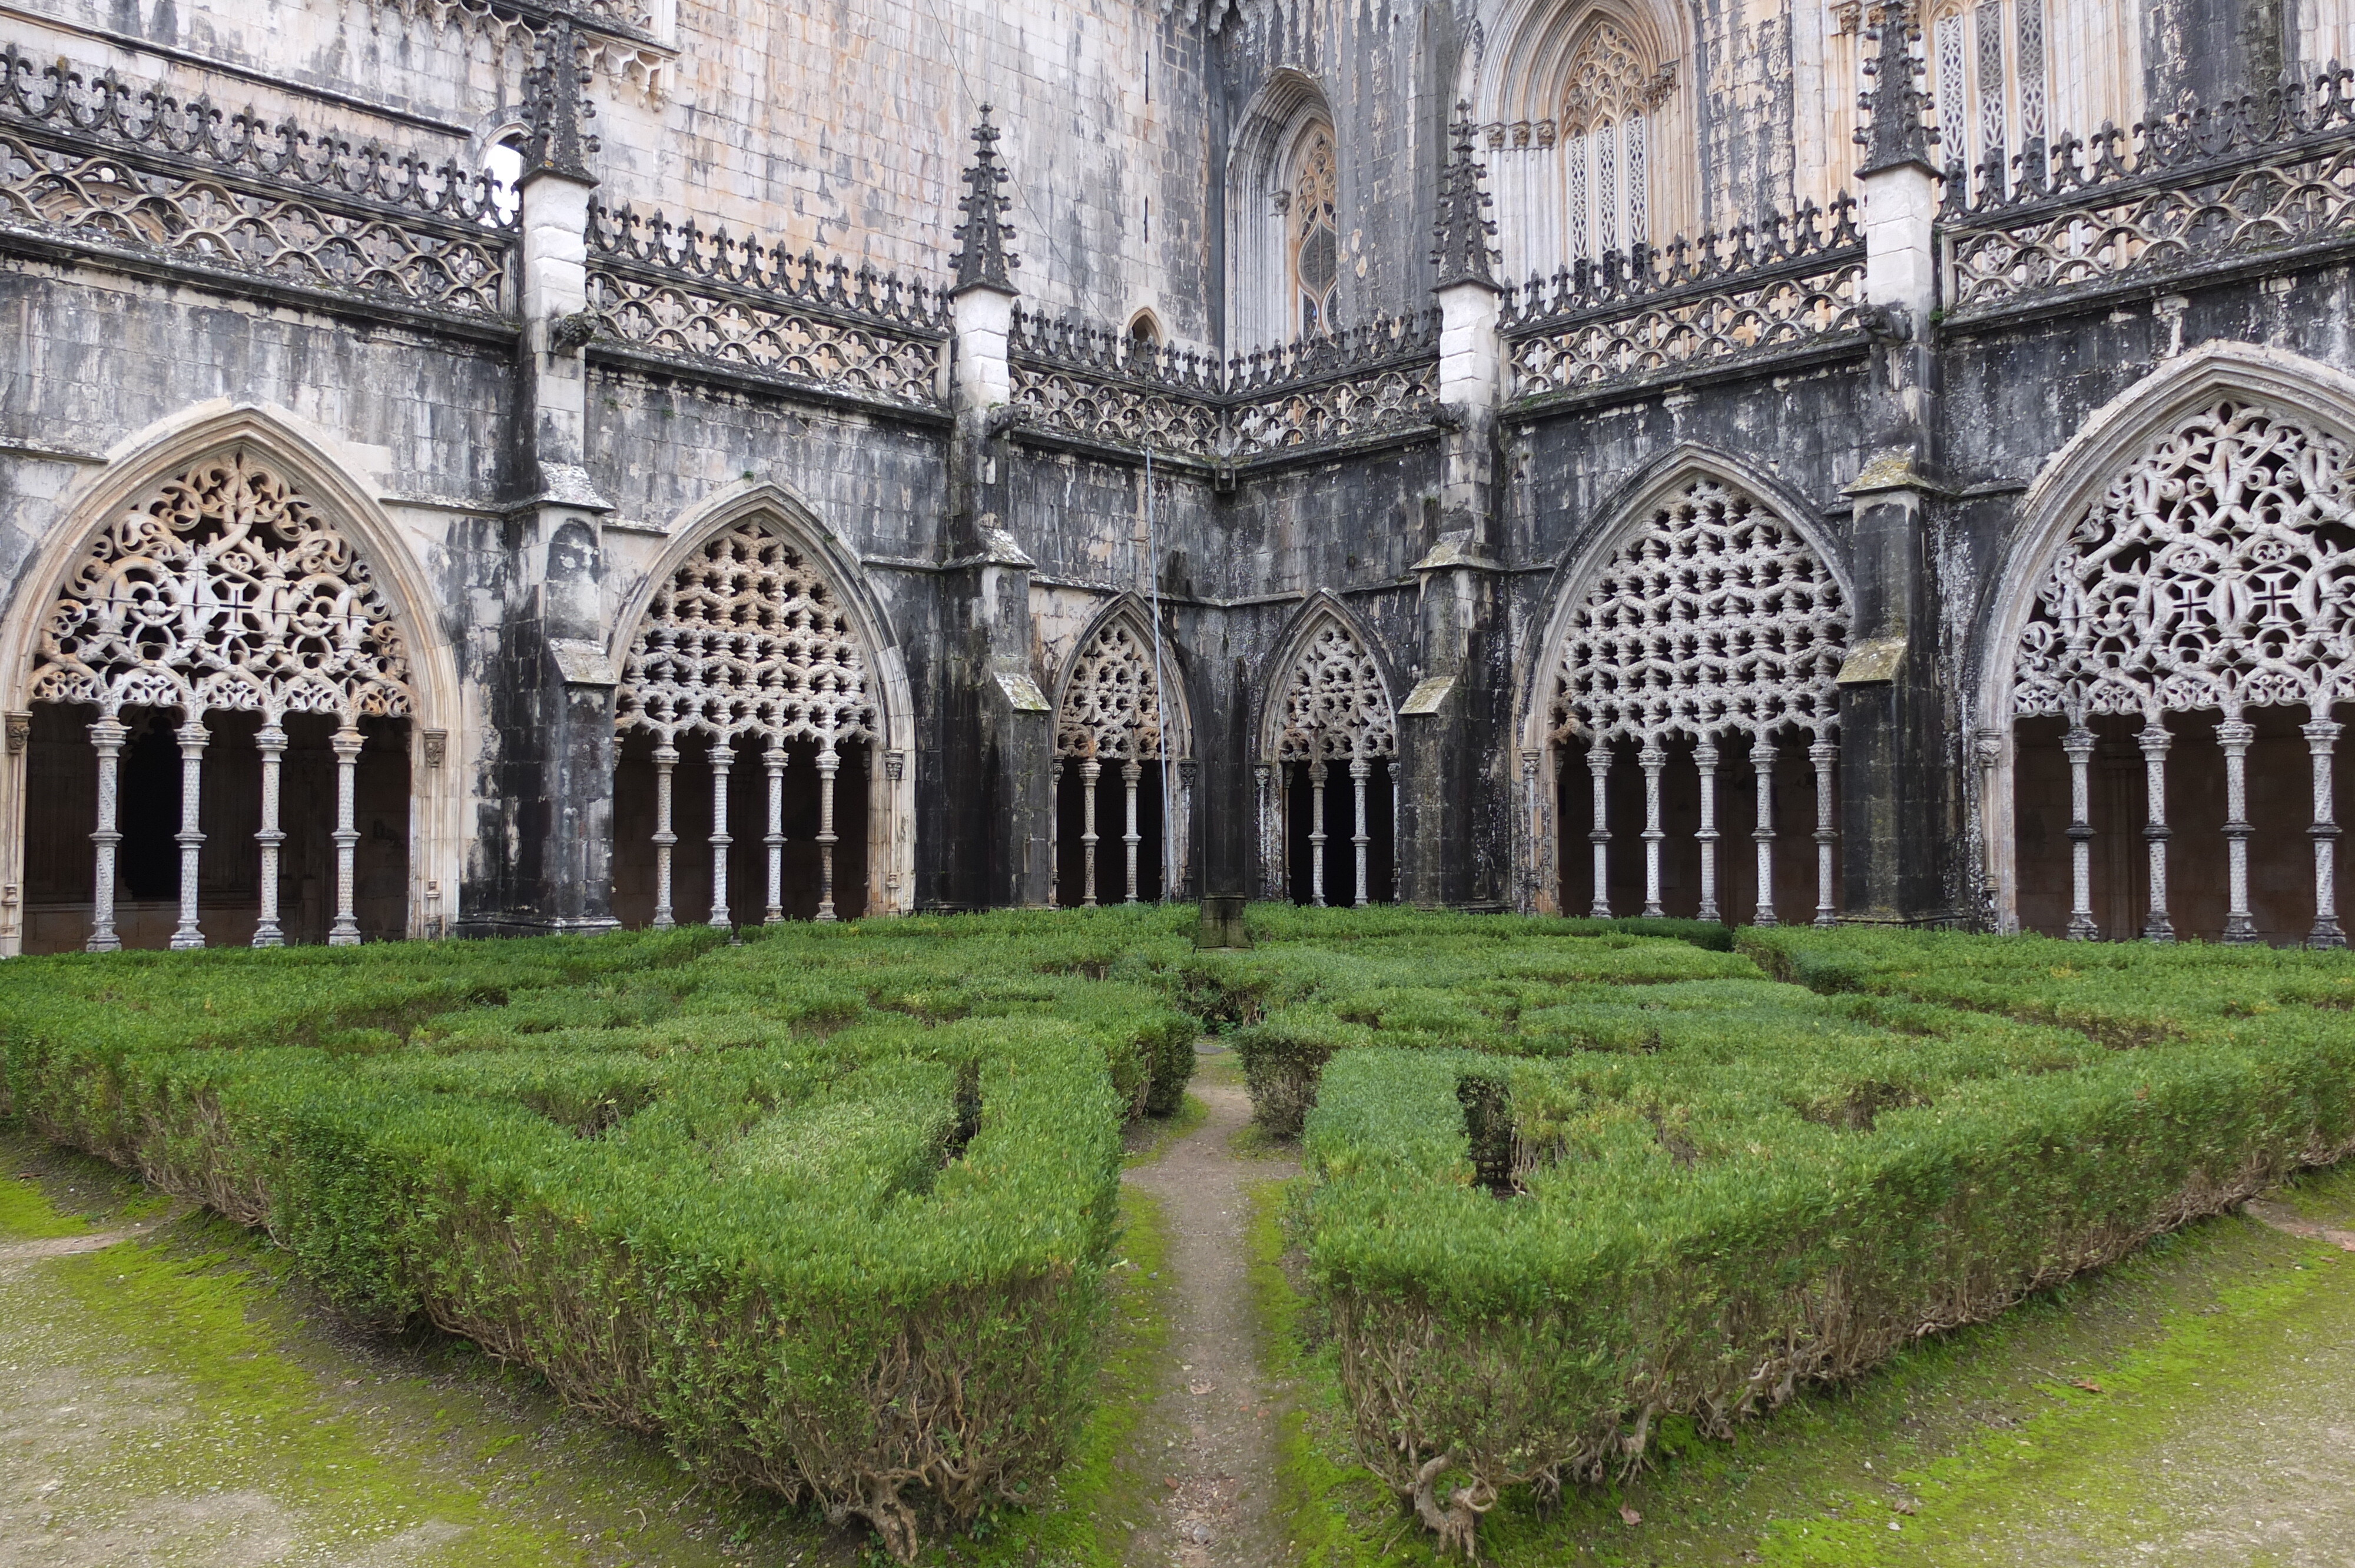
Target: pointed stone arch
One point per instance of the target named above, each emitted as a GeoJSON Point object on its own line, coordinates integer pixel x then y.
{"type": "Point", "coordinates": [1286, 116]}
{"type": "Point", "coordinates": [2178, 576]}
{"type": "Point", "coordinates": [1123, 726]}
{"type": "Point", "coordinates": [1703, 625]}
{"type": "Point", "coordinates": [230, 566]}
{"type": "Point", "coordinates": [1327, 703]}
{"type": "Point", "coordinates": [757, 630]}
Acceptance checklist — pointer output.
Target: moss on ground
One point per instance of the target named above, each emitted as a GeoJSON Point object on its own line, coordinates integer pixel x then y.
{"type": "Point", "coordinates": [2178, 1409]}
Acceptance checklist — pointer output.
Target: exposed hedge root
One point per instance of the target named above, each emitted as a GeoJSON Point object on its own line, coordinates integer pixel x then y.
{"type": "Point", "coordinates": [1458, 1524]}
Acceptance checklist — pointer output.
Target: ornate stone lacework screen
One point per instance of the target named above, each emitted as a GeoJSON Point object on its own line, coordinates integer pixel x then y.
{"type": "Point", "coordinates": [1336, 707]}
{"type": "Point", "coordinates": [223, 588]}
{"type": "Point", "coordinates": [1715, 618]}
{"type": "Point", "coordinates": [1112, 714]}
{"type": "Point", "coordinates": [1111, 704]}
{"type": "Point", "coordinates": [747, 639]}
{"type": "Point", "coordinates": [2213, 574]}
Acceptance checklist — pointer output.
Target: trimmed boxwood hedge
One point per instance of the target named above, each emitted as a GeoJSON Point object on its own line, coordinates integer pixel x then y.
{"type": "Point", "coordinates": [1733, 1187]}
{"type": "Point", "coordinates": [830, 1211]}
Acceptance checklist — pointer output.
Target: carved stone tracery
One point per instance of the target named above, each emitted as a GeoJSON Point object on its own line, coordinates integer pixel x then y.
{"type": "Point", "coordinates": [1336, 707]}
{"type": "Point", "coordinates": [1715, 618]}
{"type": "Point", "coordinates": [1112, 704]}
{"type": "Point", "coordinates": [224, 589]}
{"type": "Point", "coordinates": [748, 637]}
{"type": "Point", "coordinates": [2217, 572]}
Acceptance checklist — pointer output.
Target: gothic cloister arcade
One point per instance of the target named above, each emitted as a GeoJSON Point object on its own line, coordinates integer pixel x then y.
{"type": "Point", "coordinates": [1122, 765]}
{"type": "Point", "coordinates": [2171, 660]}
{"type": "Point", "coordinates": [1327, 785]}
{"type": "Point", "coordinates": [1688, 699]}
{"type": "Point", "coordinates": [756, 775]}
{"type": "Point", "coordinates": [227, 731]}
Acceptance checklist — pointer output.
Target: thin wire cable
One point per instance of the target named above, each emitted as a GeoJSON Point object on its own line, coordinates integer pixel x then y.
{"type": "Point", "coordinates": [1160, 689]}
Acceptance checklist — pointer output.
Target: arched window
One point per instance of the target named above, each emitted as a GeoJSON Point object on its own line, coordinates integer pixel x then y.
{"type": "Point", "coordinates": [1112, 748]}
{"type": "Point", "coordinates": [1706, 639]}
{"type": "Point", "coordinates": [1144, 331]}
{"type": "Point", "coordinates": [225, 596]}
{"type": "Point", "coordinates": [2205, 585]}
{"type": "Point", "coordinates": [503, 162]}
{"type": "Point", "coordinates": [747, 648]}
{"type": "Point", "coordinates": [1606, 144]}
{"type": "Point", "coordinates": [1334, 721]}
{"type": "Point", "coordinates": [1988, 70]}
{"type": "Point", "coordinates": [1313, 244]}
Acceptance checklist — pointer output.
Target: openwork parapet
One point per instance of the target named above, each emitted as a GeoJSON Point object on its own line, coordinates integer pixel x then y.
{"type": "Point", "coordinates": [1677, 309]}
{"type": "Point", "coordinates": [685, 292]}
{"type": "Point", "coordinates": [103, 166]}
{"type": "Point", "coordinates": [1372, 380]}
{"type": "Point", "coordinates": [2257, 180]}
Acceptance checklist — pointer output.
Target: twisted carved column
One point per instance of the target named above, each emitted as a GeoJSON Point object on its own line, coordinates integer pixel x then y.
{"type": "Point", "coordinates": [774, 760]}
{"type": "Point", "coordinates": [666, 759]}
{"type": "Point", "coordinates": [1705, 760]}
{"type": "Point", "coordinates": [1055, 856]}
{"type": "Point", "coordinates": [2240, 924]}
{"type": "Point", "coordinates": [1652, 759]}
{"type": "Point", "coordinates": [2321, 737]}
{"type": "Point", "coordinates": [2157, 925]}
{"type": "Point", "coordinates": [1824, 753]}
{"type": "Point", "coordinates": [1598, 767]}
{"type": "Point", "coordinates": [1316, 829]}
{"type": "Point", "coordinates": [1360, 771]}
{"type": "Point", "coordinates": [106, 737]}
{"type": "Point", "coordinates": [192, 738]}
{"type": "Point", "coordinates": [346, 931]}
{"type": "Point", "coordinates": [2079, 743]}
{"type": "Point", "coordinates": [1761, 758]}
{"type": "Point", "coordinates": [272, 742]}
{"type": "Point", "coordinates": [1089, 771]}
{"type": "Point", "coordinates": [1130, 772]}
{"type": "Point", "coordinates": [723, 758]}
{"type": "Point", "coordinates": [829, 762]}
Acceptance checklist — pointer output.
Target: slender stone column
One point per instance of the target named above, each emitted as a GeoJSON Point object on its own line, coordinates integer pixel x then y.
{"type": "Point", "coordinates": [2157, 925]}
{"type": "Point", "coordinates": [1360, 771]}
{"type": "Point", "coordinates": [723, 758]}
{"type": "Point", "coordinates": [2240, 924]}
{"type": "Point", "coordinates": [192, 736]}
{"type": "Point", "coordinates": [774, 760]}
{"type": "Point", "coordinates": [1055, 852]}
{"type": "Point", "coordinates": [1397, 882]}
{"type": "Point", "coordinates": [1652, 758]}
{"type": "Point", "coordinates": [2079, 743]}
{"type": "Point", "coordinates": [1824, 754]}
{"type": "Point", "coordinates": [106, 737]}
{"type": "Point", "coordinates": [1089, 771]}
{"type": "Point", "coordinates": [1271, 835]}
{"type": "Point", "coordinates": [1598, 768]}
{"type": "Point", "coordinates": [829, 762]}
{"type": "Point", "coordinates": [272, 742]}
{"type": "Point", "coordinates": [1761, 758]}
{"type": "Point", "coordinates": [1130, 772]}
{"type": "Point", "coordinates": [1705, 760]}
{"type": "Point", "coordinates": [2321, 737]}
{"type": "Point", "coordinates": [666, 759]}
{"type": "Point", "coordinates": [346, 931]}
{"type": "Point", "coordinates": [1316, 829]}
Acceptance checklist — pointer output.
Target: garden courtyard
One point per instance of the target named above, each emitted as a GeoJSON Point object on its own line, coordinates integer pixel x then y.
{"type": "Point", "coordinates": [1046, 1239]}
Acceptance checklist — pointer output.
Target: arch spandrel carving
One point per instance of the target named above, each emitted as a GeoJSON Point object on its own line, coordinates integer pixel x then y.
{"type": "Point", "coordinates": [1110, 708]}
{"type": "Point", "coordinates": [224, 589]}
{"type": "Point", "coordinates": [1714, 616]}
{"type": "Point", "coordinates": [2215, 572]}
{"type": "Point", "coordinates": [747, 637]}
{"type": "Point", "coordinates": [1336, 706]}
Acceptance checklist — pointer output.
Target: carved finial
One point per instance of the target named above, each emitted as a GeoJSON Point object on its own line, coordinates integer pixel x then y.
{"type": "Point", "coordinates": [985, 262]}
{"type": "Point", "coordinates": [1894, 133]}
{"type": "Point", "coordinates": [556, 114]}
{"type": "Point", "coordinates": [1464, 222]}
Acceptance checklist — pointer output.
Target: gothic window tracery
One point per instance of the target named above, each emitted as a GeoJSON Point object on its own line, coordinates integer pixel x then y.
{"type": "Point", "coordinates": [1108, 727]}
{"type": "Point", "coordinates": [1606, 143]}
{"type": "Point", "coordinates": [1112, 704]}
{"type": "Point", "coordinates": [1315, 247]}
{"type": "Point", "coordinates": [1989, 66]}
{"type": "Point", "coordinates": [223, 590]}
{"type": "Point", "coordinates": [1336, 707]}
{"type": "Point", "coordinates": [2215, 573]}
{"type": "Point", "coordinates": [746, 638]}
{"type": "Point", "coordinates": [1716, 619]}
